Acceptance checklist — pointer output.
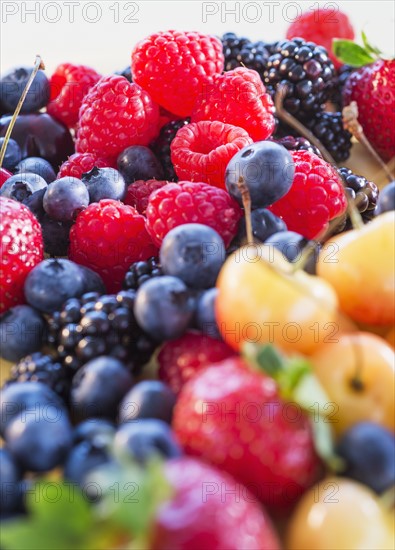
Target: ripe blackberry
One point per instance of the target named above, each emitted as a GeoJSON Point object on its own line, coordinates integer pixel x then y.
{"type": "Point", "coordinates": [328, 128]}
{"type": "Point", "coordinates": [306, 70]}
{"type": "Point", "coordinates": [298, 143]}
{"type": "Point", "coordinates": [39, 367]}
{"type": "Point", "coordinates": [161, 146]}
{"type": "Point", "coordinates": [363, 192]}
{"type": "Point", "coordinates": [337, 94]}
{"type": "Point", "coordinates": [140, 272]}
{"type": "Point", "coordinates": [240, 51]}
{"type": "Point", "coordinates": [97, 325]}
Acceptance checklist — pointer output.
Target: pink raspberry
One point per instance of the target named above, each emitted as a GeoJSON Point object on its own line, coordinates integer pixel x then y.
{"type": "Point", "coordinates": [80, 163]}
{"type": "Point", "coordinates": [139, 192]}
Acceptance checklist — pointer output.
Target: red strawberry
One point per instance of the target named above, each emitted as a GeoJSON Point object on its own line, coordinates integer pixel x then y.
{"type": "Point", "coordinates": [204, 513]}
{"type": "Point", "coordinates": [234, 417]}
{"type": "Point", "coordinates": [179, 360]}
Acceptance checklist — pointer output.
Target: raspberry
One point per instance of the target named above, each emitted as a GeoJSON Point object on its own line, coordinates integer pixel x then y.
{"type": "Point", "coordinates": [21, 248]}
{"type": "Point", "coordinates": [69, 85]}
{"type": "Point", "coordinates": [114, 115]}
{"type": "Point", "coordinates": [179, 360]}
{"type": "Point", "coordinates": [4, 175]}
{"type": "Point", "coordinates": [237, 97]}
{"type": "Point", "coordinates": [201, 151]}
{"type": "Point", "coordinates": [161, 146]}
{"type": "Point", "coordinates": [139, 192]}
{"type": "Point", "coordinates": [108, 237]}
{"type": "Point", "coordinates": [188, 202]}
{"type": "Point", "coordinates": [172, 66]}
{"type": "Point", "coordinates": [80, 163]}
{"type": "Point", "coordinates": [322, 26]}
{"type": "Point", "coordinates": [315, 198]}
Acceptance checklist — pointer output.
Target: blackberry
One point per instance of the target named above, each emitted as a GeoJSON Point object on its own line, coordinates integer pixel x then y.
{"type": "Point", "coordinates": [39, 367]}
{"type": "Point", "coordinates": [161, 146]}
{"type": "Point", "coordinates": [337, 94]}
{"type": "Point", "coordinates": [298, 143]}
{"type": "Point", "coordinates": [97, 325]}
{"type": "Point", "coordinates": [307, 72]}
{"type": "Point", "coordinates": [126, 72]}
{"type": "Point", "coordinates": [363, 192]}
{"type": "Point", "coordinates": [328, 128]}
{"type": "Point", "coordinates": [140, 272]}
{"type": "Point", "coordinates": [240, 51]}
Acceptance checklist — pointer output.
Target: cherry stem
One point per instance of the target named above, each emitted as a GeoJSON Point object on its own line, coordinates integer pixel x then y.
{"type": "Point", "coordinates": [38, 64]}
{"type": "Point", "coordinates": [246, 199]}
{"type": "Point", "coordinates": [351, 123]}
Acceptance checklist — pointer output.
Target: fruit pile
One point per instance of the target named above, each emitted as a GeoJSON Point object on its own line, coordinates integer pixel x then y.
{"type": "Point", "coordinates": [197, 307]}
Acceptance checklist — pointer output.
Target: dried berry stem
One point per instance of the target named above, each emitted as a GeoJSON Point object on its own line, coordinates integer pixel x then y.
{"type": "Point", "coordinates": [246, 198]}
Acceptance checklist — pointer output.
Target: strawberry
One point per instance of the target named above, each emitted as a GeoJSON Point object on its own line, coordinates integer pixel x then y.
{"type": "Point", "coordinates": [235, 418]}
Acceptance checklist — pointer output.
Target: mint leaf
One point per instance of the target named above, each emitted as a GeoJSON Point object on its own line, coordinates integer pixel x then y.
{"type": "Point", "coordinates": [265, 357]}
{"type": "Point", "coordinates": [352, 54]}
{"type": "Point", "coordinates": [368, 47]}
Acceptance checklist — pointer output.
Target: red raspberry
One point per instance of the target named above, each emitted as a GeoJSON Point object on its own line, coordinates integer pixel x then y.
{"type": "Point", "coordinates": [188, 202]}
{"type": "Point", "coordinates": [202, 151]}
{"type": "Point", "coordinates": [179, 360]}
{"type": "Point", "coordinates": [139, 192]}
{"type": "Point", "coordinates": [237, 97]}
{"type": "Point", "coordinates": [108, 237]}
{"type": "Point", "coordinates": [80, 163]}
{"type": "Point", "coordinates": [4, 175]}
{"type": "Point", "coordinates": [22, 249]}
{"type": "Point", "coordinates": [322, 26]}
{"type": "Point", "coordinates": [315, 198]}
{"type": "Point", "coordinates": [172, 66]}
{"type": "Point", "coordinates": [116, 114]}
{"type": "Point", "coordinates": [69, 85]}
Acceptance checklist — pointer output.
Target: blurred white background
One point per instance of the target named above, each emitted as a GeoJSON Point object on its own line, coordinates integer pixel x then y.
{"type": "Point", "coordinates": [102, 33]}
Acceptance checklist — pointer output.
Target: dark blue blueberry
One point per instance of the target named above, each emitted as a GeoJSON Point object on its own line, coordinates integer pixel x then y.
{"type": "Point", "coordinates": [56, 236]}
{"type": "Point", "coordinates": [41, 439]}
{"type": "Point", "coordinates": [35, 203]}
{"type": "Point", "coordinates": [21, 186]}
{"type": "Point", "coordinates": [10, 476]}
{"type": "Point", "coordinates": [146, 439]}
{"type": "Point", "coordinates": [205, 313]}
{"type": "Point", "coordinates": [104, 183]}
{"type": "Point", "coordinates": [65, 198]}
{"type": "Point", "coordinates": [369, 452]}
{"type": "Point", "coordinates": [83, 458]}
{"type": "Point", "coordinates": [92, 281]}
{"type": "Point", "coordinates": [148, 399]}
{"type": "Point", "coordinates": [92, 429]}
{"type": "Point", "coordinates": [21, 332]}
{"type": "Point", "coordinates": [289, 243]}
{"type": "Point", "coordinates": [36, 165]}
{"type": "Point", "coordinates": [17, 397]}
{"type": "Point", "coordinates": [264, 224]}
{"type": "Point", "coordinates": [139, 163]}
{"type": "Point", "coordinates": [13, 154]}
{"type": "Point", "coordinates": [52, 282]}
{"type": "Point", "coordinates": [386, 201]}
{"type": "Point", "coordinates": [98, 388]}
{"type": "Point", "coordinates": [194, 253]}
{"type": "Point", "coordinates": [14, 82]}
{"type": "Point", "coordinates": [267, 169]}
{"type": "Point", "coordinates": [164, 307]}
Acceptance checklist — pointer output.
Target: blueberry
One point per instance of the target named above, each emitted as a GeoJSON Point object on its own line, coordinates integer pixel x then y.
{"type": "Point", "coordinates": [35, 203]}
{"type": "Point", "coordinates": [13, 154]}
{"type": "Point", "coordinates": [148, 399]}
{"type": "Point", "coordinates": [369, 452]}
{"type": "Point", "coordinates": [21, 396]}
{"type": "Point", "coordinates": [92, 429]}
{"type": "Point", "coordinates": [40, 440]}
{"type": "Point", "coordinates": [51, 282]}
{"type": "Point", "coordinates": [194, 253]}
{"type": "Point", "coordinates": [146, 439]}
{"type": "Point", "coordinates": [10, 477]}
{"type": "Point", "coordinates": [205, 313]}
{"type": "Point", "coordinates": [36, 165]}
{"type": "Point", "coordinates": [21, 332]}
{"type": "Point", "coordinates": [164, 307]}
{"type": "Point", "coordinates": [14, 82]}
{"type": "Point", "coordinates": [65, 198]}
{"type": "Point", "coordinates": [289, 243]}
{"type": "Point", "coordinates": [92, 281]}
{"type": "Point", "coordinates": [267, 169]}
{"type": "Point", "coordinates": [264, 224]}
{"type": "Point", "coordinates": [56, 236]}
{"type": "Point", "coordinates": [104, 183]}
{"type": "Point", "coordinates": [21, 186]}
{"type": "Point", "coordinates": [98, 388]}
{"type": "Point", "coordinates": [386, 200]}
{"type": "Point", "coordinates": [139, 163]}
{"type": "Point", "coordinates": [83, 458]}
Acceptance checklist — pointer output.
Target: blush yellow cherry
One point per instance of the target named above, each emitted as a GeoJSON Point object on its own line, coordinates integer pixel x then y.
{"type": "Point", "coordinates": [358, 374]}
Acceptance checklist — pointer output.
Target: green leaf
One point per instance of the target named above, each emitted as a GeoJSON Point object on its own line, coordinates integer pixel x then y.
{"type": "Point", "coordinates": [323, 443]}
{"type": "Point", "coordinates": [352, 54]}
{"type": "Point", "coordinates": [369, 48]}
